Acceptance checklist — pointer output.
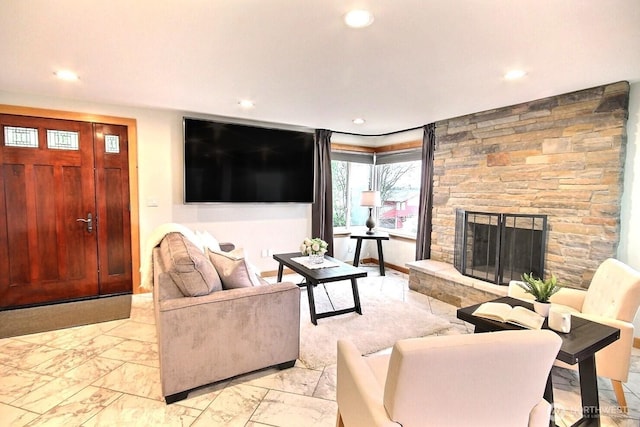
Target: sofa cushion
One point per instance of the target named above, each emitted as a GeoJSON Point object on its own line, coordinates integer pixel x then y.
{"type": "Point", "coordinates": [190, 269]}
{"type": "Point", "coordinates": [234, 270]}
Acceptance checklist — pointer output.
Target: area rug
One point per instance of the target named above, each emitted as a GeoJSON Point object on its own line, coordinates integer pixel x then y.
{"type": "Point", "coordinates": [385, 319]}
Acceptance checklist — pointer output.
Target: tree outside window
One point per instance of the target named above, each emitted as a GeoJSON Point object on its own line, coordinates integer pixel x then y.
{"type": "Point", "coordinates": [349, 180]}
{"type": "Point", "coordinates": [339, 176]}
{"type": "Point", "coordinates": [399, 186]}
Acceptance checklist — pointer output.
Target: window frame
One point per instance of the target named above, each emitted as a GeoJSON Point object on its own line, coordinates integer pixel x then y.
{"type": "Point", "coordinates": [411, 151]}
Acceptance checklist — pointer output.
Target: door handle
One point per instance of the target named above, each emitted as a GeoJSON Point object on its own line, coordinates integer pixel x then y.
{"type": "Point", "coordinates": [88, 221]}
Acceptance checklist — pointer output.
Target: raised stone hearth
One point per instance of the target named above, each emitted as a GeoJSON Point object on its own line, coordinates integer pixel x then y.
{"type": "Point", "coordinates": [442, 281]}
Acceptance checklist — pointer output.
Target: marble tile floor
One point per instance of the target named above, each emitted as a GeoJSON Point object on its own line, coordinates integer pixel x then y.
{"type": "Point", "coordinates": [107, 375]}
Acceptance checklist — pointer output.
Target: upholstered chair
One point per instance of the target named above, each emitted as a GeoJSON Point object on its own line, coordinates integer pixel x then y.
{"type": "Point", "coordinates": [612, 298]}
{"type": "Point", "coordinates": [495, 379]}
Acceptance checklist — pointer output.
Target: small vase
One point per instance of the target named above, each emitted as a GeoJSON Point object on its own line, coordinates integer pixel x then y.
{"type": "Point", "coordinates": [316, 258]}
{"type": "Point", "coordinates": [542, 308]}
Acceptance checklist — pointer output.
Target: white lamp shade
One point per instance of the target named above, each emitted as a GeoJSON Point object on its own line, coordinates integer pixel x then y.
{"type": "Point", "coordinates": [370, 199]}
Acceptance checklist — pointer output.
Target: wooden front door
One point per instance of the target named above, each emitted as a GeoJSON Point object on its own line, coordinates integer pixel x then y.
{"type": "Point", "coordinates": [113, 210]}
{"type": "Point", "coordinates": [56, 189]}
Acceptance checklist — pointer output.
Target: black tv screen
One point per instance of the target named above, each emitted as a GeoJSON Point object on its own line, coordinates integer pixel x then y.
{"type": "Point", "coordinates": [232, 163]}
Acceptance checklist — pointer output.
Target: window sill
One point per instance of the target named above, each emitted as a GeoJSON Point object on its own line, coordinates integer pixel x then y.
{"type": "Point", "coordinates": [392, 233]}
{"type": "Point", "coordinates": [400, 236]}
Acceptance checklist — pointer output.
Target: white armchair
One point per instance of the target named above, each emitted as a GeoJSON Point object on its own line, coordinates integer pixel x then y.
{"type": "Point", "coordinates": [493, 379]}
{"type": "Point", "coordinates": [612, 299]}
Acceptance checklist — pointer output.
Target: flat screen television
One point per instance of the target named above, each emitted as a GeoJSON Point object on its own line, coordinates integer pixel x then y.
{"type": "Point", "coordinates": [230, 163]}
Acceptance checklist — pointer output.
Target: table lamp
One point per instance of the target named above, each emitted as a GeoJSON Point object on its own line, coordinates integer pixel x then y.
{"type": "Point", "coordinates": [370, 199]}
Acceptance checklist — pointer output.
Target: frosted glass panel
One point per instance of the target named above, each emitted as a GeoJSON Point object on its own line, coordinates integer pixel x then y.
{"type": "Point", "coordinates": [62, 140]}
{"type": "Point", "coordinates": [112, 143]}
{"type": "Point", "coordinates": [20, 137]}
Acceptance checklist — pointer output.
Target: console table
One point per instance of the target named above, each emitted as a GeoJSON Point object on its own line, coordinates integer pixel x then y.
{"type": "Point", "coordinates": [578, 346]}
{"type": "Point", "coordinates": [378, 237]}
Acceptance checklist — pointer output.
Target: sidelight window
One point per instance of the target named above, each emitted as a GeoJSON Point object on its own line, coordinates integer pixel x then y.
{"type": "Point", "coordinates": [112, 144]}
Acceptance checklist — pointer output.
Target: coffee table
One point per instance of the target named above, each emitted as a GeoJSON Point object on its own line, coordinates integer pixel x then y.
{"type": "Point", "coordinates": [578, 346]}
{"type": "Point", "coordinates": [314, 277]}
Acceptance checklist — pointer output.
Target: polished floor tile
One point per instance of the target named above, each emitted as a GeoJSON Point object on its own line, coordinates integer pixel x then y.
{"type": "Point", "coordinates": [107, 374]}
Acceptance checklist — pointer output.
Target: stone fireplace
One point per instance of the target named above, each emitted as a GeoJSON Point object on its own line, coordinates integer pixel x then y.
{"type": "Point", "coordinates": [562, 157]}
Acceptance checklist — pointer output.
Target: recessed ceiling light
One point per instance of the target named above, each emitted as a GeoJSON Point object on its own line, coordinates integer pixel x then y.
{"type": "Point", "coordinates": [358, 18]}
{"type": "Point", "coordinates": [515, 74]}
{"type": "Point", "coordinates": [246, 103]}
{"type": "Point", "coordinates": [66, 75]}
{"type": "Point", "coordinates": [358, 121]}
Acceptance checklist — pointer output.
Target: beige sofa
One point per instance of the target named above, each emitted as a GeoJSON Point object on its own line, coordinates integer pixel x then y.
{"type": "Point", "coordinates": [208, 331]}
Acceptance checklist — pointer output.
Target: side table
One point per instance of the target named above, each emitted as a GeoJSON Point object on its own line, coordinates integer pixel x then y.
{"type": "Point", "coordinates": [578, 346]}
{"type": "Point", "coordinates": [378, 237]}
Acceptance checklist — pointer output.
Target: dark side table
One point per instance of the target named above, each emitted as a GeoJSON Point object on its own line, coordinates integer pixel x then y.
{"type": "Point", "coordinates": [378, 237]}
{"type": "Point", "coordinates": [578, 346]}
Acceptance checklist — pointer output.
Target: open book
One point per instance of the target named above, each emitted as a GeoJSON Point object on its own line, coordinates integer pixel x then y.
{"type": "Point", "coordinates": [505, 313]}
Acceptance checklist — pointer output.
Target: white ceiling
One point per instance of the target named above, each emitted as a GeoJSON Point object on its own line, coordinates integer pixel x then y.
{"type": "Point", "coordinates": [420, 61]}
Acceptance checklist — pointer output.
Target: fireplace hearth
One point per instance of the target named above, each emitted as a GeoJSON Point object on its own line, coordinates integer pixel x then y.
{"type": "Point", "coordinates": [499, 247]}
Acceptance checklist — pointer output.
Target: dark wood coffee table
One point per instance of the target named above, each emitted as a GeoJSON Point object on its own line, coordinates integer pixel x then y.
{"type": "Point", "coordinates": [578, 346]}
{"type": "Point", "coordinates": [314, 277]}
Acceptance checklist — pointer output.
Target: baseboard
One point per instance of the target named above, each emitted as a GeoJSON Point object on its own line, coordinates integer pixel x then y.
{"type": "Point", "coordinates": [31, 320]}
{"type": "Point", "coordinates": [404, 270]}
{"type": "Point", "coordinates": [636, 342]}
{"type": "Point", "coordinates": [274, 273]}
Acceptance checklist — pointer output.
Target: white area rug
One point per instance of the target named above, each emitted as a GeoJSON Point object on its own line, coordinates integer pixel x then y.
{"type": "Point", "coordinates": [385, 319]}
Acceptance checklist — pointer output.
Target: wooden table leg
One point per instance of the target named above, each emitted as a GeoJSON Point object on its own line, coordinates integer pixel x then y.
{"type": "Point", "coordinates": [356, 296]}
{"type": "Point", "coordinates": [588, 393]}
{"type": "Point", "coordinates": [356, 257]}
{"type": "Point", "coordinates": [280, 270]}
{"type": "Point", "coordinates": [380, 257]}
{"type": "Point", "coordinates": [312, 303]}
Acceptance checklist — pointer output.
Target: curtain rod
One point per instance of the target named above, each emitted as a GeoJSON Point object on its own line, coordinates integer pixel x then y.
{"type": "Point", "coordinates": [379, 134]}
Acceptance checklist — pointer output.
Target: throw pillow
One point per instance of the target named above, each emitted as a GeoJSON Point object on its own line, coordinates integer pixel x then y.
{"type": "Point", "coordinates": [191, 270]}
{"type": "Point", "coordinates": [233, 269]}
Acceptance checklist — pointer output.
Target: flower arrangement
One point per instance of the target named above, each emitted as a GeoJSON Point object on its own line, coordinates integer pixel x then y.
{"type": "Point", "coordinates": [315, 246]}
{"type": "Point", "coordinates": [540, 289]}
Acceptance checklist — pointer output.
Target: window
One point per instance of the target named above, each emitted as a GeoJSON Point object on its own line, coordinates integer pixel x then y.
{"type": "Point", "coordinates": [350, 178]}
{"type": "Point", "coordinates": [396, 175]}
{"type": "Point", "coordinates": [399, 186]}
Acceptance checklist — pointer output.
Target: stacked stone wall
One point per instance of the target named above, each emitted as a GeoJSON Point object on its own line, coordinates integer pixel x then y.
{"type": "Point", "coordinates": [561, 156]}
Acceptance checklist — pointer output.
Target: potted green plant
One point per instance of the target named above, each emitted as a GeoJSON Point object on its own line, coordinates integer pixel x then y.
{"type": "Point", "coordinates": [541, 291]}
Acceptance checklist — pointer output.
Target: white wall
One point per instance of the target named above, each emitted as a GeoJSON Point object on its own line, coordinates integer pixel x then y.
{"type": "Point", "coordinates": [629, 247]}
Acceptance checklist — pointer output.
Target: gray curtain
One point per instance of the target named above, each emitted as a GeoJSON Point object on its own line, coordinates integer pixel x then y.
{"type": "Point", "coordinates": [423, 238]}
{"type": "Point", "coordinates": [322, 208]}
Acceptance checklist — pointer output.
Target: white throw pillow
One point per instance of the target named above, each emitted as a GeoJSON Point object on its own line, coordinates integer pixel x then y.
{"type": "Point", "coordinates": [208, 241]}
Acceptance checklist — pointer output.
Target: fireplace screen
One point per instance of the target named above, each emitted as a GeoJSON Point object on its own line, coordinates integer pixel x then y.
{"type": "Point", "coordinates": [498, 248]}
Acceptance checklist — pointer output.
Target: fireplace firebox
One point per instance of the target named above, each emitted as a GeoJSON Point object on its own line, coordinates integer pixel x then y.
{"type": "Point", "coordinates": [499, 247]}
